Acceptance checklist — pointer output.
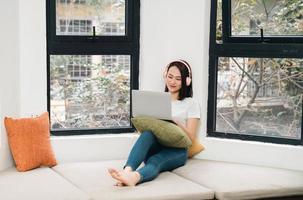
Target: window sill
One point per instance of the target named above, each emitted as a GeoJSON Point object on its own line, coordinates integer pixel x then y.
{"type": "Point", "coordinates": [253, 152]}
{"type": "Point", "coordinates": [95, 136]}
{"type": "Point", "coordinates": [88, 148]}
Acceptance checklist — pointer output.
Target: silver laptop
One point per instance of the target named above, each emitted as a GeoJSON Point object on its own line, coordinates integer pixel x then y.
{"type": "Point", "coordinates": [152, 104]}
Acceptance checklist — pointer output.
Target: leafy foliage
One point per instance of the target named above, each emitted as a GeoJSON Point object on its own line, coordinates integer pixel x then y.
{"type": "Point", "coordinates": [99, 100]}
{"type": "Point", "coordinates": [276, 17]}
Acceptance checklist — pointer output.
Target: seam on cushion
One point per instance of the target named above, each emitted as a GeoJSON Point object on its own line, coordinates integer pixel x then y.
{"type": "Point", "coordinates": [191, 180]}
{"type": "Point", "coordinates": [194, 182]}
{"type": "Point", "coordinates": [61, 175]}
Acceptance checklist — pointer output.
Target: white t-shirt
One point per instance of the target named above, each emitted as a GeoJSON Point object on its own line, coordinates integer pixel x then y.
{"type": "Point", "coordinates": [184, 109]}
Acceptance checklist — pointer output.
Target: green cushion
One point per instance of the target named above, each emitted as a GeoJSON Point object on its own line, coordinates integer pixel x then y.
{"type": "Point", "coordinates": [167, 133]}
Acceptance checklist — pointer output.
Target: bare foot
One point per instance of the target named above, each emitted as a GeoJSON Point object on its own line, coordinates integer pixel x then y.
{"type": "Point", "coordinates": [125, 177]}
{"type": "Point", "coordinates": [114, 174]}
{"type": "Point", "coordinates": [128, 178]}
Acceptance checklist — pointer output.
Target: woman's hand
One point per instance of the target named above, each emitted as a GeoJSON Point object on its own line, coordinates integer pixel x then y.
{"type": "Point", "coordinates": [190, 128]}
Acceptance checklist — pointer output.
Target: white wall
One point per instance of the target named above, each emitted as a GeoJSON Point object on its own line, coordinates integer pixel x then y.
{"type": "Point", "coordinates": [91, 148]}
{"type": "Point", "coordinates": [170, 29]}
{"type": "Point", "coordinates": [33, 85]}
{"type": "Point", "coordinates": [175, 29]}
{"type": "Point", "coordinates": [9, 74]}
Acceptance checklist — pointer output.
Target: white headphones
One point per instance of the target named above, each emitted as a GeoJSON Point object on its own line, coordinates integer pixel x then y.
{"type": "Point", "coordinates": [188, 78]}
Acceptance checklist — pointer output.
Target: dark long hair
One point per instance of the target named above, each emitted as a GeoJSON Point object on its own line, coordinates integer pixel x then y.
{"type": "Point", "coordinates": [185, 91]}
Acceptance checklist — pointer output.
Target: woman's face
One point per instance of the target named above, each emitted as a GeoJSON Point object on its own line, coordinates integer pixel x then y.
{"type": "Point", "coordinates": [173, 80]}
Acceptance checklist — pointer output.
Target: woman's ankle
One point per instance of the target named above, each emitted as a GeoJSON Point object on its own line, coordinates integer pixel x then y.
{"type": "Point", "coordinates": [138, 176]}
{"type": "Point", "coordinates": [128, 168]}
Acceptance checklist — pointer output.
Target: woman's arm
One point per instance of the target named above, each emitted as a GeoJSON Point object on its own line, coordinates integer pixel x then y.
{"type": "Point", "coordinates": [191, 127]}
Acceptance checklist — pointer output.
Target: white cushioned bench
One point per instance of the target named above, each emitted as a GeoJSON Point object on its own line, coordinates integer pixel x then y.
{"type": "Point", "coordinates": [232, 181]}
{"type": "Point", "coordinates": [42, 183]}
{"type": "Point", "coordinates": [93, 178]}
{"type": "Point", "coordinates": [199, 179]}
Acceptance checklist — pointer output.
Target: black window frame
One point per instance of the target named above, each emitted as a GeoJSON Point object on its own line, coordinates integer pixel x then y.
{"type": "Point", "coordinates": [243, 47]}
{"type": "Point", "coordinates": [96, 45]}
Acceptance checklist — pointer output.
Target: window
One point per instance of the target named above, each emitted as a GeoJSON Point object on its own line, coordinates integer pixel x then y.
{"type": "Point", "coordinates": [276, 21]}
{"type": "Point", "coordinates": [269, 15]}
{"type": "Point", "coordinates": [257, 69]}
{"type": "Point", "coordinates": [93, 58]}
{"type": "Point", "coordinates": [80, 16]}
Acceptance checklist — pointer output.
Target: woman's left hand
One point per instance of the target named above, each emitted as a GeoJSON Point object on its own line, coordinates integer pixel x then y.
{"type": "Point", "coordinates": [190, 128]}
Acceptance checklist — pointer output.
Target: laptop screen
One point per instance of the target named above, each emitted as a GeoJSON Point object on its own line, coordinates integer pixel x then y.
{"type": "Point", "coordinates": [152, 104]}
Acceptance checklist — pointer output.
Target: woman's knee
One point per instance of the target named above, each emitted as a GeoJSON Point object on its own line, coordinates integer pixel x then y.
{"type": "Point", "coordinates": [177, 159]}
{"type": "Point", "coordinates": [181, 159]}
{"type": "Point", "coordinates": [148, 134]}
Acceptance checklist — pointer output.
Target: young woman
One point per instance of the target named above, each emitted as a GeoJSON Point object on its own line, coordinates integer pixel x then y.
{"type": "Point", "coordinates": [156, 157]}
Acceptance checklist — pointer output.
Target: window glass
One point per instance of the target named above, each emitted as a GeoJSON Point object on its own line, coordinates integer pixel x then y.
{"type": "Point", "coordinates": [78, 17]}
{"type": "Point", "coordinates": [89, 91]}
{"type": "Point", "coordinates": [275, 17]}
{"type": "Point", "coordinates": [260, 96]}
{"type": "Point", "coordinates": [219, 22]}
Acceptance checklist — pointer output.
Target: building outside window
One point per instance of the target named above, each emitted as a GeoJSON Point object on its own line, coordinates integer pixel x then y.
{"type": "Point", "coordinates": [112, 28]}
{"type": "Point", "coordinates": [75, 27]}
{"type": "Point", "coordinates": [79, 67]}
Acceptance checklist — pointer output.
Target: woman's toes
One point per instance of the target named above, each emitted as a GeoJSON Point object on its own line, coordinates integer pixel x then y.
{"type": "Point", "coordinates": [119, 184]}
{"type": "Point", "coordinates": [112, 170]}
{"type": "Point", "coordinates": [113, 173]}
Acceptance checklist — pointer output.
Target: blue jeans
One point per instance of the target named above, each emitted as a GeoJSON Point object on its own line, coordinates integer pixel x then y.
{"type": "Point", "coordinates": [157, 158]}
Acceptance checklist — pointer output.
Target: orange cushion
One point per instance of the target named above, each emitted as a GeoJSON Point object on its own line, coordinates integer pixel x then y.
{"type": "Point", "coordinates": [195, 148]}
{"type": "Point", "coordinates": [29, 141]}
